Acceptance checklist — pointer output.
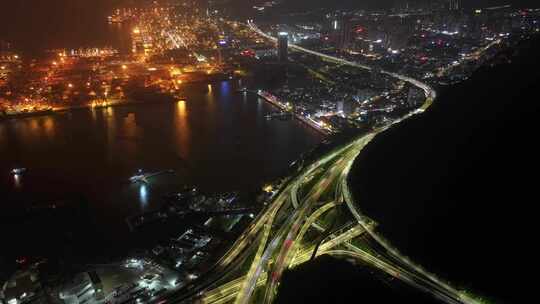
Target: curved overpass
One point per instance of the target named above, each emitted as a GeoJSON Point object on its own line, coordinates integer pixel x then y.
{"type": "Point", "coordinates": [445, 292]}
{"type": "Point", "coordinates": [270, 244]}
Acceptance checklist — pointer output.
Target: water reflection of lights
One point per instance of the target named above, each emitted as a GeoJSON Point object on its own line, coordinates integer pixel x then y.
{"type": "Point", "coordinates": [143, 194]}
{"type": "Point", "coordinates": [48, 126]}
{"type": "Point", "coordinates": [182, 128]}
{"type": "Point", "coordinates": [17, 180]}
{"type": "Point", "coordinates": [209, 88]}
{"type": "Point", "coordinates": [93, 112]}
{"type": "Point", "coordinates": [110, 111]}
{"type": "Point", "coordinates": [34, 126]}
{"type": "Point", "coordinates": [225, 87]}
{"type": "Point", "coordinates": [181, 107]}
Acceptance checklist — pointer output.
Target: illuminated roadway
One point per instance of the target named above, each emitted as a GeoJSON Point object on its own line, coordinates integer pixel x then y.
{"type": "Point", "coordinates": [275, 240]}
{"type": "Point", "coordinates": [430, 93]}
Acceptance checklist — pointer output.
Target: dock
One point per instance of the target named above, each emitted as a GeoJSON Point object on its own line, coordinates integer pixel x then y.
{"type": "Point", "coordinates": [275, 102]}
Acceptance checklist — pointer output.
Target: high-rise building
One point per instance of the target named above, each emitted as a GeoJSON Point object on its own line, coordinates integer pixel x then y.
{"type": "Point", "coordinates": [342, 32]}
{"type": "Point", "coordinates": [283, 46]}
{"type": "Point", "coordinates": [345, 34]}
{"type": "Point", "coordinates": [454, 5]}
{"type": "Point", "coordinates": [340, 106]}
{"type": "Point", "coordinates": [415, 97]}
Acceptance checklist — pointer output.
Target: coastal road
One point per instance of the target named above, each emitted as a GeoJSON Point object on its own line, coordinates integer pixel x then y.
{"type": "Point", "coordinates": [441, 289]}
{"type": "Point", "coordinates": [275, 240]}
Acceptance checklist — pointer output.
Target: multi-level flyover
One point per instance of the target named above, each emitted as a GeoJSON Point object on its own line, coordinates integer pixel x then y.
{"type": "Point", "coordinates": [281, 236]}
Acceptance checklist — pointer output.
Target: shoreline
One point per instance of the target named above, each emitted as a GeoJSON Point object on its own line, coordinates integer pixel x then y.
{"type": "Point", "coordinates": [54, 111]}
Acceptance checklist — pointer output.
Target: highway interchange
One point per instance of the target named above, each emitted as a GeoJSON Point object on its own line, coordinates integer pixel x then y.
{"type": "Point", "coordinates": [295, 226]}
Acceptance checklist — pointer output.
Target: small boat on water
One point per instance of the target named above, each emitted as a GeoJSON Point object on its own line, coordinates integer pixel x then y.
{"type": "Point", "coordinates": [138, 177]}
{"type": "Point", "coordinates": [179, 97]}
{"type": "Point", "coordinates": [142, 177]}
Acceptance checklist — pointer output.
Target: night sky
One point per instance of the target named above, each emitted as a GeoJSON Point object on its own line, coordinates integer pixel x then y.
{"type": "Point", "coordinates": [37, 24]}
{"type": "Point", "coordinates": [32, 24]}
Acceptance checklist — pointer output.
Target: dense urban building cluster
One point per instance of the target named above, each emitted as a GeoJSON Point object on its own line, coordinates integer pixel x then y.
{"type": "Point", "coordinates": [438, 42]}
{"type": "Point", "coordinates": [170, 45]}
{"type": "Point", "coordinates": [175, 43]}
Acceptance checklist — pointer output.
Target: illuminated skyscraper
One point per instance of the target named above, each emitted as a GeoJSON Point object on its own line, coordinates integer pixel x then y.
{"type": "Point", "coordinates": [283, 46]}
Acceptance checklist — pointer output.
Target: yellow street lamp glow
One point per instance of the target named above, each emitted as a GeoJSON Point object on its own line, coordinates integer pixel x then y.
{"type": "Point", "coordinates": [268, 188]}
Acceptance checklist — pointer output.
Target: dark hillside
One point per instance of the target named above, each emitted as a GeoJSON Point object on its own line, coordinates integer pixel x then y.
{"type": "Point", "coordinates": [456, 188]}
{"type": "Point", "coordinates": [330, 280]}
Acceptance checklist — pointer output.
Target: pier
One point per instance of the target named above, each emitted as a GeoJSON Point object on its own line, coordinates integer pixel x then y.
{"type": "Point", "coordinates": [143, 178]}
{"type": "Point", "coordinates": [276, 102]}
